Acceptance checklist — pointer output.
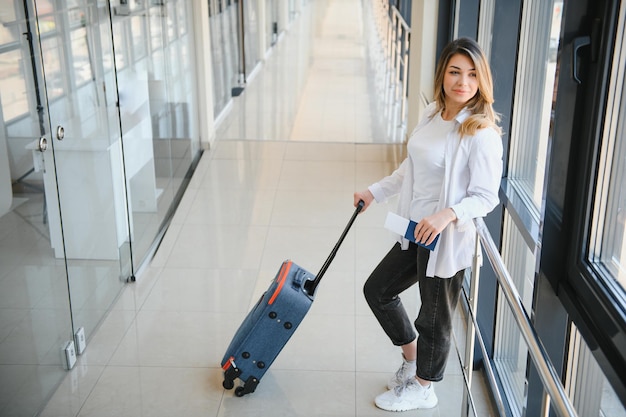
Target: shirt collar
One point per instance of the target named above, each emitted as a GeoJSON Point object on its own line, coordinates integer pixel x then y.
{"type": "Point", "coordinates": [462, 115]}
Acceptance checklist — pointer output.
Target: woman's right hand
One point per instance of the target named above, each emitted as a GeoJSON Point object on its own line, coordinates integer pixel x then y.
{"type": "Point", "coordinates": [365, 195]}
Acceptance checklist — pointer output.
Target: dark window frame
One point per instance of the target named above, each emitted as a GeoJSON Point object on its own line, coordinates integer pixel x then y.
{"type": "Point", "coordinates": [592, 305]}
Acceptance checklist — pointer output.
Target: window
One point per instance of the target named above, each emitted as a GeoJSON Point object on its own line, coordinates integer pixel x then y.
{"type": "Point", "coordinates": [529, 138]}
{"type": "Point", "coordinates": [510, 350]}
{"type": "Point", "coordinates": [534, 88]}
{"type": "Point", "coordinates": [586, 384]}
{"type": "Point", "coordinates": [608, 246]}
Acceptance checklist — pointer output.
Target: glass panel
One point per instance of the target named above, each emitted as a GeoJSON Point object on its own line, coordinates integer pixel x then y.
{"type": "Point", "coordinates": [55, 80]}
{"type": "Point", "coordinates": [251, 28]}
{"type": "Point", "coordinates": [121, 52]}
{"type": "Point", "coordinates": [46, 22]}
{"type": "Point", "coordinates": [75, 15]}
{"type": "Point", "coordinates": [589, 389]}
{"type": "Point", "coordinates": [108, 64]}
{"type": "Point", "coordinates": [510, 351]}
{"type": "Point", "coordinates": [136, 6]}
{"type": "Point", "coordinates": [83, 71]}
{"type": "Point", "coordinates": [13, 72]}
{"type": "Point", "coordinates": [10, 29]}
{"type": "Point", "coordinates": [171, 21]}
{"type": "Point", "coordinates": [157, 103]}
{"type": "Point", "coordinates": [223, 28]}
{"type": "Point", "coordinates": [156, 32]}
{"type": "Point", "coordinates": [138, 31]}
{"type": "Point", "coordinates": [35, 319]}
{"type": "Point", "coordinates": [608, 249]}
{"type": "Point", "coordinates": [82, 170]}
{"type": "Point", "coordinates": [182, 19]}
{"type": "Point", "coordinates": [534, 88]}
{"type": "Point", "coordinates": [530, 130]}
{"type": "Point", "coordinates": [43, 259]}
{"type": "Point", "coordinates": [271, 13]}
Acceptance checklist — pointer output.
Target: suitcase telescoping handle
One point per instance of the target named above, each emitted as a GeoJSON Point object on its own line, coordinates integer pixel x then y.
{"type": "Point", "coordinates": [310, 286]}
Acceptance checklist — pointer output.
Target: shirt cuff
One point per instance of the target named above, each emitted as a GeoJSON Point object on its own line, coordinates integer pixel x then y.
{"type": "Point", "coordinates": [461, 216]}
{"type": "Point", "coordinates": [377, 192]}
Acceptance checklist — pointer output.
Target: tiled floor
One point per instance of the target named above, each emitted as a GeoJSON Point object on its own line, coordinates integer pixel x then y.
{"type": "Point", "coordinates": [277, 184]}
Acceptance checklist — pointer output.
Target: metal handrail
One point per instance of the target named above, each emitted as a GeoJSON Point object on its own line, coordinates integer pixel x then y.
{"type": "Point", "coordinates": [545, 368]}
{"type": "Point", "coordinates": [391, 55]}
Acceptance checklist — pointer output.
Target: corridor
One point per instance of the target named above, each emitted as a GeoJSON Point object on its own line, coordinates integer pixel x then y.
{"type": "Point", "coordinates": [277, 184]}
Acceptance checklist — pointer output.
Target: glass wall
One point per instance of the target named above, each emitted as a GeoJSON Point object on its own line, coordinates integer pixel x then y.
{"type": "Point", "coordinates": [97, 135]}
{"type": "Point", "coordinates": [63, 225]}
{"type": "Point", "coordinates": [157, 88]}
{"type": "Point", "coordinates": [271, 22]}
{"type": "Point", "coordinates": [224, 52]}
{"type": "Point", "coordinates": [252, 29]}
{"type": "Point", "coordinates": [235, 27]}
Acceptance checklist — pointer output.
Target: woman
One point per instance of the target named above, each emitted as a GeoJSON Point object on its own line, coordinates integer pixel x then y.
{"type": "Point", "coordinates": [451, 175]}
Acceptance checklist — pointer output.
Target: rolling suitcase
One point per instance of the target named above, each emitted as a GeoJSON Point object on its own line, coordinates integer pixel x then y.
{"type": "Point", "coordinates": [271, 322]}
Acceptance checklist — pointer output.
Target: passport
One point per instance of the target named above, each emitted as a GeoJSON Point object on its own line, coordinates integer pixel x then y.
{"type": "Point", "coordinates": [406, 228]}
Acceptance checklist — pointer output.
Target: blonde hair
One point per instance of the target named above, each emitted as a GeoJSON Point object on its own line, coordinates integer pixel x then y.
{"type": "Point", "coordinates": [481, 105]}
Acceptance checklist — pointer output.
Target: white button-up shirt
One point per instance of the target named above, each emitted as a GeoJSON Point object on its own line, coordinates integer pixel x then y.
{"type": "Point", "coordinates": [473, 171]}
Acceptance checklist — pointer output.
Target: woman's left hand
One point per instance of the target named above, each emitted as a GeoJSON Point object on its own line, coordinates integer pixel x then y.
{"type": "Point", "coordinates": [429, 227]}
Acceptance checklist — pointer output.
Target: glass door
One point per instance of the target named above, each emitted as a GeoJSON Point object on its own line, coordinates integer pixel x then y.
{"type": "Point", "coordinates": [76, 76]}
{"type": "Point", "coordinates": [35, 316]}
{"type": "Point", "coordinates": [83, 170]}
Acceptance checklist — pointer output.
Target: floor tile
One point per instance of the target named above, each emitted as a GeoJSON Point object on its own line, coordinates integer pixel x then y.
{"type": "Point", "coordinates": [309, 247]}
{"type": "Point", "coordinates": [153, 391]}
{"type": "Point", "coordinates": [185, 339]}
{"type": "Point", "coordinates": [202, 289]}
{"type": "Point", "coordinates": [73, 392]}
{"type": "Point", "coordinates": [295, 394]}
{"type": "Point", "coordinates": [212, 246]}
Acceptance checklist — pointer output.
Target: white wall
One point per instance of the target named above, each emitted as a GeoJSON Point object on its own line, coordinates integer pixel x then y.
{"type": "Point", "coordinates": [204, 71]}
{"type": "Point", "coordinates": [422, 58]}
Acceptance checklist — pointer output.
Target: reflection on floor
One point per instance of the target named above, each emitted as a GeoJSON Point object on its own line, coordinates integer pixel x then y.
{"type": "Point", "coordinates": [277, 184]}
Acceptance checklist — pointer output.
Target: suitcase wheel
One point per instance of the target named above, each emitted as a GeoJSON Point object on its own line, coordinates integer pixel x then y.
{"type": "Point", "coordinates": [248, 387]}
{"type": "Point", "coordinates": [230, 375]}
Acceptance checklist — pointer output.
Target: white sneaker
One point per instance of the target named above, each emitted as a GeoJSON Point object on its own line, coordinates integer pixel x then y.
{"type": "Point", "coordinates": [404, 374]}
{"type": "Point", "coordinates": [407, 397]}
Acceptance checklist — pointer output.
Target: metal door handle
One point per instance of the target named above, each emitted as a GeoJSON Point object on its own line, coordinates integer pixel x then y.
{"type": "Point", "coordinates": [60, 132]}
{"type": "Point", "coordinates": [43, 144]}
{"type": "Point", "coordinates": [578, 43]}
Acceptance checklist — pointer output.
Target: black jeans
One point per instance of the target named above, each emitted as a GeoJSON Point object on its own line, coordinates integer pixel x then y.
{"type": "Point", "coordinates": [399, 270]}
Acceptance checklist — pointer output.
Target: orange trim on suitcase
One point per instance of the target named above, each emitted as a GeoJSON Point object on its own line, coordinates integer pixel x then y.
{"type": "Point", "coordinates": [228, 363]}
{"type": "Point", "coordinates": [282, 276]}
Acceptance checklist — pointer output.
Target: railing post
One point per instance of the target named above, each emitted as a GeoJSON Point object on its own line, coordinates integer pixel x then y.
{"type": "Point", "coordinates": [405, 75]}
{"type": "Point", "coordinates": [468, 366]}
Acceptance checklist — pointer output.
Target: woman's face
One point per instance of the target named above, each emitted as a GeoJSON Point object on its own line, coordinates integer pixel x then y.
{"type": "Point", "coordinates": [460, 83]}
